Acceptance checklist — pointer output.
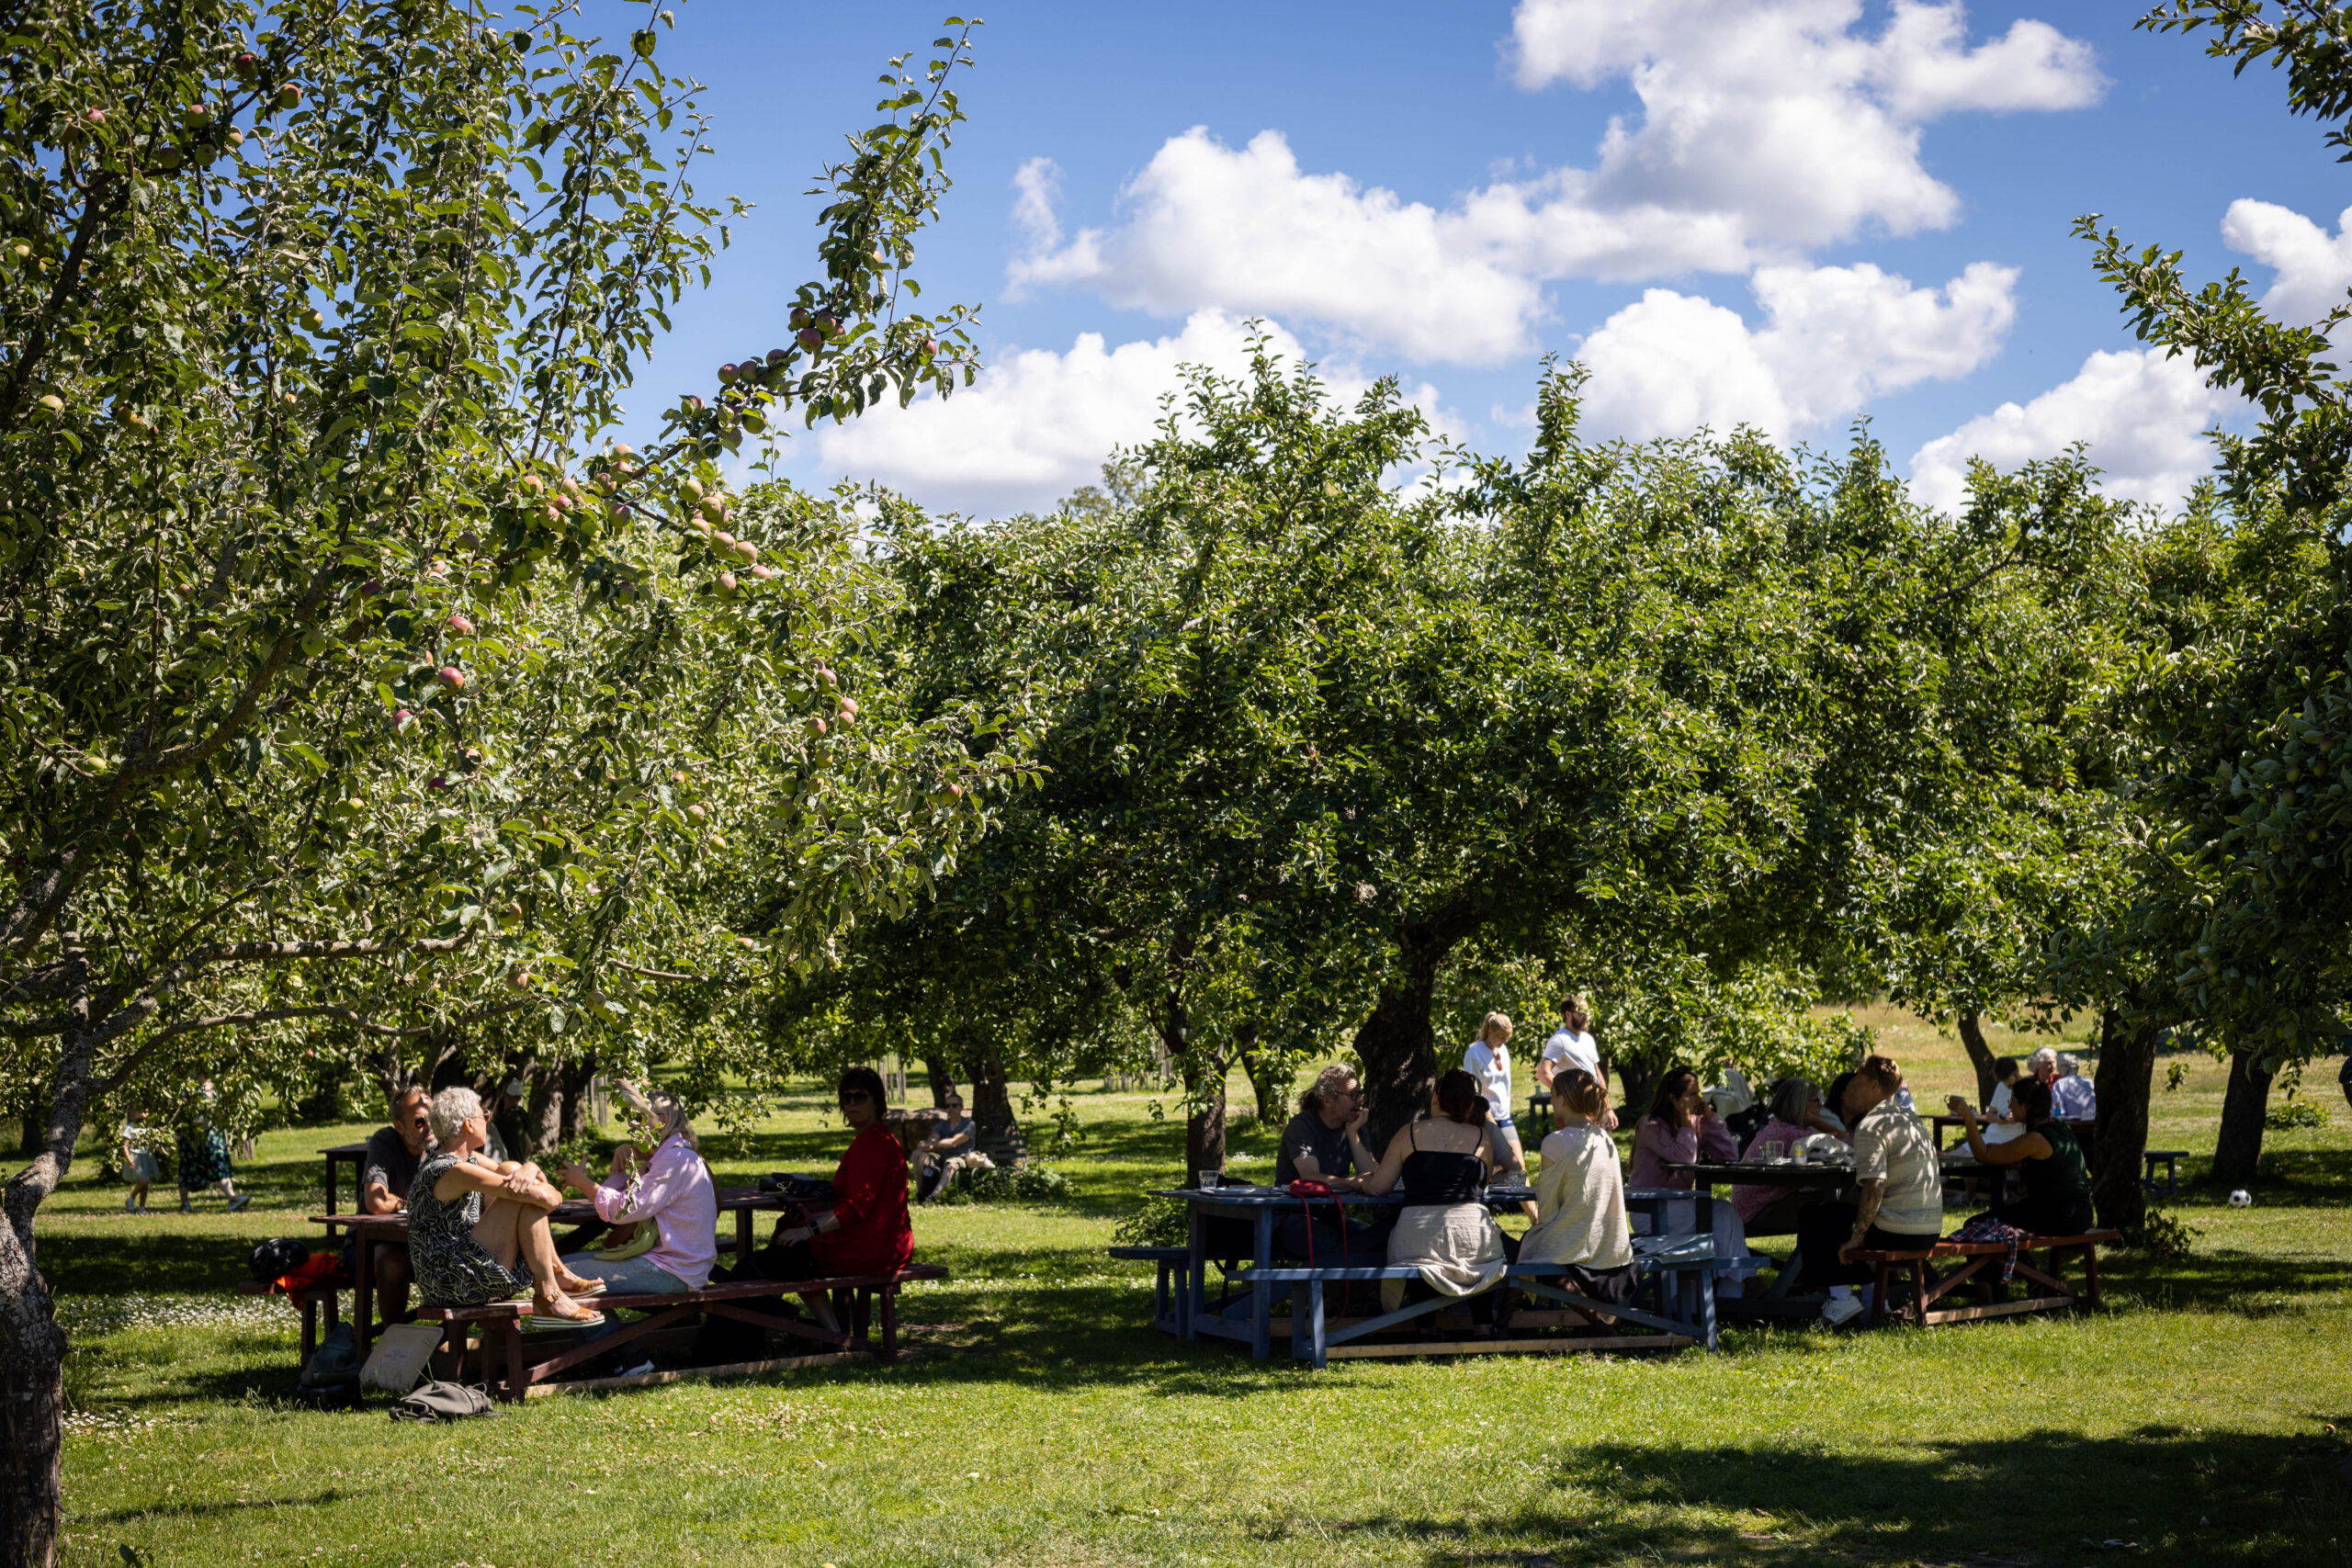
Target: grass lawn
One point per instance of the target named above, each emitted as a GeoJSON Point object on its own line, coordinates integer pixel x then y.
{"type": "Point", "coordinates": [1037, 1422]}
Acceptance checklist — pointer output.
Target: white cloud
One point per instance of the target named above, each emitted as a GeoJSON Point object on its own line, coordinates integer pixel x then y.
{"type": "Point", "coordinates": [1767, 127]}
{"type": "Point", "coordinates": [1834, 338]}
{"type": "Point", "coordinates": [2143, 416]}
{"type": "Point", "coordinates": [1779, 111]}
{"type": "Point", "coordinates": [1036, 424]}
{"type": "Point", "coordinates": [2314, 271]}
{"type": "Point", "coordinates": [1246, 231]}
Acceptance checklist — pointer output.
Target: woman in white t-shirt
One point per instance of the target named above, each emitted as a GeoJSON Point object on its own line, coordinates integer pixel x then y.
{"type": "Point", "coordinates": [2001, 1123]}
{"type": "Point", "coordinates": [1487, 1059]}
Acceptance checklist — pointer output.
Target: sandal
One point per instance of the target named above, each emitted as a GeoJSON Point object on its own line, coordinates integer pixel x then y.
{"type": "Point", "coordinates": [584, 1286]}
{"type": "Point", "coordinates": [539, 1321]}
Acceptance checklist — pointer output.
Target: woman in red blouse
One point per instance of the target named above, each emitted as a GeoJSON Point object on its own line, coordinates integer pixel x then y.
{"type": "Point", "coordinates": [865, 1231]}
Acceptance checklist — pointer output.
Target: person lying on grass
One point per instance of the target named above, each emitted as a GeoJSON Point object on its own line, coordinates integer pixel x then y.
{"type": "Point", "coordinates": [2057, 1199]}
{"type": "Point", "coordinates": [478, 1233]}
{"type": "Point", "coordinates": [662, 1190]}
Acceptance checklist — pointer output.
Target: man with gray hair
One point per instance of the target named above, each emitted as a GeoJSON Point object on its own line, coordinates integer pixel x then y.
{"type": "Point", "coordinates": [2072, 1098]}
{"type": "Point", "coordinates": [1324, 1143]}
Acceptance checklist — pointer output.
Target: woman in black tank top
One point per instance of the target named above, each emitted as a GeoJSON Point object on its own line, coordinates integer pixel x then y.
{"type": "Point", "coordinates": [1444, 1230]}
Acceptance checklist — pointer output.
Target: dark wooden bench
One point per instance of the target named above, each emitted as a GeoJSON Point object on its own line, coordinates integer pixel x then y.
{"type": "Point", "coordinates": [2172, 1159]}
{"type": "Point", "coordinates": [1979, 1270]}
{"type": "Point", "coordinates": [670, 1319]}
{"type": "Point", "coordinates": [1172, 1291]}
{"type": "Point", "coordinates": [1677, 1280]}
{"type": "Point", "coordinates": [309, 1301]}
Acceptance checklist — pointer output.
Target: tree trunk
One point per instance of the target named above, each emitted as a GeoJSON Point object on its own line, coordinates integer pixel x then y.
{"type": "Point", "coordinates": [543, 1121]}
{"type": "Point", "coordinates": [1204, 1089]}
{"type": "Point", "coordinates": [1263, 1088]}
{"type": "Point", "coordinates": [991, 1104]}
{"type": "Point", "coordinates": [574, 1078]}
{"type": "Point", "coordinates": [2127, 1060]}
{"type": "Point", "coordinates": [32, 1347]}
{"type": "Point", "coordinates": [943, 1080]}
{"type": "Point", "coordinates": [35, 1125]}
{"type": "Point", "coordinates": [1397, 1045]}
{"type": "Point", "coordinates": [1980, 1056]}
{"type": "Point", "coordinates": [2237, 1152]}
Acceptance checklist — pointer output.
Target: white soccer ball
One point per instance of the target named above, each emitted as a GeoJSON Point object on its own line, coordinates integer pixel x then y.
{"type": "Point", "coordinates": [2240, 1199]}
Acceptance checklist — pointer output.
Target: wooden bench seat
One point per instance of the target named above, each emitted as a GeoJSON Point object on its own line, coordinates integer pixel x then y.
{"type": "Point", "coordinates": [1171, 1290]}
{"type": "Point", "coordinates": [670, 1316]}
{"type": "Point", "coordinates": [1684, 1315]}
{"type": "Point", "coordinates": [1979, 1270]}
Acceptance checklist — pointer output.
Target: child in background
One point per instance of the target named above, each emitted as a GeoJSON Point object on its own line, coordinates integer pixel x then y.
{"type": "Point", "coordinates": [2001, 1122]}
{"type": "Point", "coordinates": [139, 1166]}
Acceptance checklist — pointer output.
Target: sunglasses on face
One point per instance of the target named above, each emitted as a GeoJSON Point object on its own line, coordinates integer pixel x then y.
{"type": "Point", "coordinates": [854, 1096]}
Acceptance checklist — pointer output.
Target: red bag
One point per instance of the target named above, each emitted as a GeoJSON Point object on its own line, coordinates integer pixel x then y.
{"type": "Point", "coordinates": [1307, 1191]}
{"type": "Point", "coordinates": [318, 1269]}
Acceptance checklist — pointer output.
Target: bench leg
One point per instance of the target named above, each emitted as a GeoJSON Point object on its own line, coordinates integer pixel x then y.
{"type": "Point", "coordinates": [2090, 1274]}
{"type": "Point", "coordinates": [310, 1328]}
{"type": "Point", "coordinates": [1878, 1297]}
{"type": "Point", "coordinates": [518, 1381]}
{"type": "Point", "coordinates": [889, 1322]}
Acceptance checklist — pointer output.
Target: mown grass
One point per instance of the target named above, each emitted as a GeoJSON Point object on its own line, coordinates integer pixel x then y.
{"type": "Point", "coordinates": [1037, 1422]}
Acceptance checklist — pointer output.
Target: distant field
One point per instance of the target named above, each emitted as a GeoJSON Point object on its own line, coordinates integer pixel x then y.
{"type": "Point", "coordinates": [1039, 1423]}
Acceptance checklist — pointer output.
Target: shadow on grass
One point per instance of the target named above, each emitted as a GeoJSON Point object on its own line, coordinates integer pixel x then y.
{"type": "Point", "coordinates": [2159, 1494]}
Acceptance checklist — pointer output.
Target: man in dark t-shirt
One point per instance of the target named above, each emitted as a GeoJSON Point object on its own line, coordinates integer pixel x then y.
{"type": "Point", "coordinates": [1324, 1143]}
{"type": "Point", "coordinates": [393, 1154]}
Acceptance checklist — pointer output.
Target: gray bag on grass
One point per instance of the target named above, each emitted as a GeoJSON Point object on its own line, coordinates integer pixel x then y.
{"type": "Point", "coordinates": [443, 1401]}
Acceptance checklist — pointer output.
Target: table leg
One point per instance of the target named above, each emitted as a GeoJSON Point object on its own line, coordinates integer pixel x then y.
{"type": "Point", "coordinates": [1261, 1295]}
{"type": "Point", "coordinates": [363, 1292]}
{"type": "Point", "coordinates": [1198, 1265]}
{"type": "Point", "coordinates": [329, 1184]}
{"type": "Point", "coordinates": [742, 1237]}
{"type": "Point", "coordinates": [889, 1322]}
{"type": "Point", "coordinates": [1316, 1351]}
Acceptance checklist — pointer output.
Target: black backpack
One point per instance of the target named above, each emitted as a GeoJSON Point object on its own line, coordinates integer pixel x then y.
{"type": "Point", "coordinates": [283, 1255]}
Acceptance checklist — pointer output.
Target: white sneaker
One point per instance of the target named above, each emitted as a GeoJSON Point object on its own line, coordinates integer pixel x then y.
{"type": "Point", "coordinates": [1839, 1311]}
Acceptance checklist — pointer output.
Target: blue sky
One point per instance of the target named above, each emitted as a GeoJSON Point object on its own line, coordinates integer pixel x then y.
{"type": "Point", "coordinates": [1783, 212]}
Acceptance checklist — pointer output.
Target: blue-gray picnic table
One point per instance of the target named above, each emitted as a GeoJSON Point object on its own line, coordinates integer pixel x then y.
{"type": "Point", "coordinates": [1186, 1310]}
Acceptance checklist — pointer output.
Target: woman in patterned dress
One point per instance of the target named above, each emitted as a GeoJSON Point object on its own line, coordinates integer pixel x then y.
{"type": "Point", "coordinates": [477, 1233]}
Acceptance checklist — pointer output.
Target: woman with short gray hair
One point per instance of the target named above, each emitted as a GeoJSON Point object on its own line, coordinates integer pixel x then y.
{"type": "Point", "coordinates": [477, 1233]}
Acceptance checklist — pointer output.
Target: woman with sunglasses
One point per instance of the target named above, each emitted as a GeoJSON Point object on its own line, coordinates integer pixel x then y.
{"type": "Point", "coordinates": [865, 1231]}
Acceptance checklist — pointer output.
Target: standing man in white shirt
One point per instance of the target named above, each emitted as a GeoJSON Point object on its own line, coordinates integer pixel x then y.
{"type": "Point", "coordinates": [1572, 1045]}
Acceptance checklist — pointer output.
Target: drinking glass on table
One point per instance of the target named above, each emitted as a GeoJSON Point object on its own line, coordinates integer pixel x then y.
{"type": "Point", "coordinates": [1206, 1180]}
{"type": "Point", "coordinates": [1774, 1148]}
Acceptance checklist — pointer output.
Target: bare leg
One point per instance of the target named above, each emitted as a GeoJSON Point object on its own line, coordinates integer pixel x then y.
{"type": "Point", "coordinates": [392, 1281]}
{"type": "Point", "coordinates": [510, 1230]}
{"type": "Point", "coordinates": [496, 1231]}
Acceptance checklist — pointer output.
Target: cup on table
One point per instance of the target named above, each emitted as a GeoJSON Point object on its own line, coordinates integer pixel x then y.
{"type": "Point", "coordinates": [1797, 1154]}
{"type": "Point", "coordinates": [1774, 1148]}
{"type": "Point", "coordinates": [1206, 1180]}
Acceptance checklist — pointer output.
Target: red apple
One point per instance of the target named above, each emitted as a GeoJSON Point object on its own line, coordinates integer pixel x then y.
{"type": "Point", "coordinates": [697, 811]}
{"type": "Point", "coordinates": [453, 677]}
{"type": "Point", "coordinates": [849, 707]}
{"type": "Point", "coordinates": [95, 117]}
{"type": "Point", "coordinates": [800, 317]}
{"type": "Point", "coordinates": [817, 725]}
{"type": "Point", "coordinates": [727, 584]}
{"type": "Point", "coordinates": [825, 674]}
{"type": "Point", "coordinates": [460, 624]}
{"type": "Point", "coordinates": [403, 718]}
{"type": "Point", "coordinates": [777, 357]}
{"type": "Point", "coordinates": [747, 549]}
{"type": "Point", "coordinates": [727, 373]}
{"type": "Point", "coordinates": [520, 979]}
{"type": "Point", "coordinates": [956, 790]}
{"type": "Point", "coordinates": [812, 339]}
{"type": "Point", "coordinates": [827, 325]}
{"type": "Point", "coordinates": [725, 540]}
{"type": "Point", "coordinates": [288, 94]}
{"type": "Point", "coordinates": [764, 572]}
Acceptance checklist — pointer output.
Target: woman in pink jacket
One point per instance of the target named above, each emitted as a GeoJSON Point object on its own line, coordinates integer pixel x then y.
{"type": "Point", "coordinates": [1681, 1129]}
{"type": "Point", "coordinates": [667, 1187]}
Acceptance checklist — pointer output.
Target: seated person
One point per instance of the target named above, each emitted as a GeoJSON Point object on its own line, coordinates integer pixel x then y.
{"type": "Point", "coordinates": [2057, 1199]}
{"type": "Point", "coordinates": [2072, 1098]}
{"type": "Point", "coordinates": [667, 1187]}
{"type": "Point", "coordinates": [2000, 1121]}
{"type": "Point", "coordinates": [1833, 1101]}
{"type": "Point", "coordinates": [477, 1235]}
{"type": "Point", "coordinates": [1580, 1197]}
{"type": "Point", "coordinates": [1324, 1143]}
{"type": "Point", "coordinates": [1445, 1161]}
{"type": "Point", "coordinates": [866, 1230]}
{"type": "Point", "coordinates": [1796, 1116]}
{"type": "Point", "coordinates": [953, 1148]}
{"type": "Point", "coordinates": [386, 1171]}
{"type": "Point", "coordinates": [1902, 1184]}
{"type": "Point", "coordinates": [1681, 1127]}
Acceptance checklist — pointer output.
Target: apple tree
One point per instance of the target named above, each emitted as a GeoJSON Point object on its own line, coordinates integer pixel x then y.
{"type": "Point", "coordinates": [355, 681]}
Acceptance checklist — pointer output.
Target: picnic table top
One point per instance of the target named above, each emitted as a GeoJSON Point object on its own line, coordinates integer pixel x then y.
{"type": "Point", "coordinates": [1787, 1173]}
{"type": "Point", "coordinates": [571, 1212]}
{"type": "Point", "coordinates": [1267, 1196]}
{"type": "Point", "coordinates": [358, 1148]}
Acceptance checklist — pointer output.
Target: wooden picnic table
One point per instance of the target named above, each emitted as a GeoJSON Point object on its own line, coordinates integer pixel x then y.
{"type": "Point", "coordinates": [371, 1231]}
{"type": "Point", "coordinates": [2084, 1126]}
{"type": "Point", "coordinates": [357, 1154]}
{"type": "Point", "coordinates": [1252, 1319]}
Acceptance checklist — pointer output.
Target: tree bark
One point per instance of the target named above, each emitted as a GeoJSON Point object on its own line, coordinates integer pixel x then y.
{"type": "Point", "coordinates": [2237, 1151]}
{"type": "Point", "coordinates": [1396, 1043]}
{"type": "Point", "coordinates": [32, 1347]}
{"type": "Point", "coordinates": [1263, 1089]}
{"type": "Point", "coordinates": [991, 1104]}
{"type": "Point", "coordinates": [1204, 1089]}
{"type": "Point", "coordinates": [943, 1080]}
{"type": "Point", "coordinates": [1980, 1056]}
{"type": "Point", "coordinates": [543, 1119]}
{"type": "Point", "coordinates": [2127, 1062]}
{"type": "Point", "coordinates": [573, 1079]}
